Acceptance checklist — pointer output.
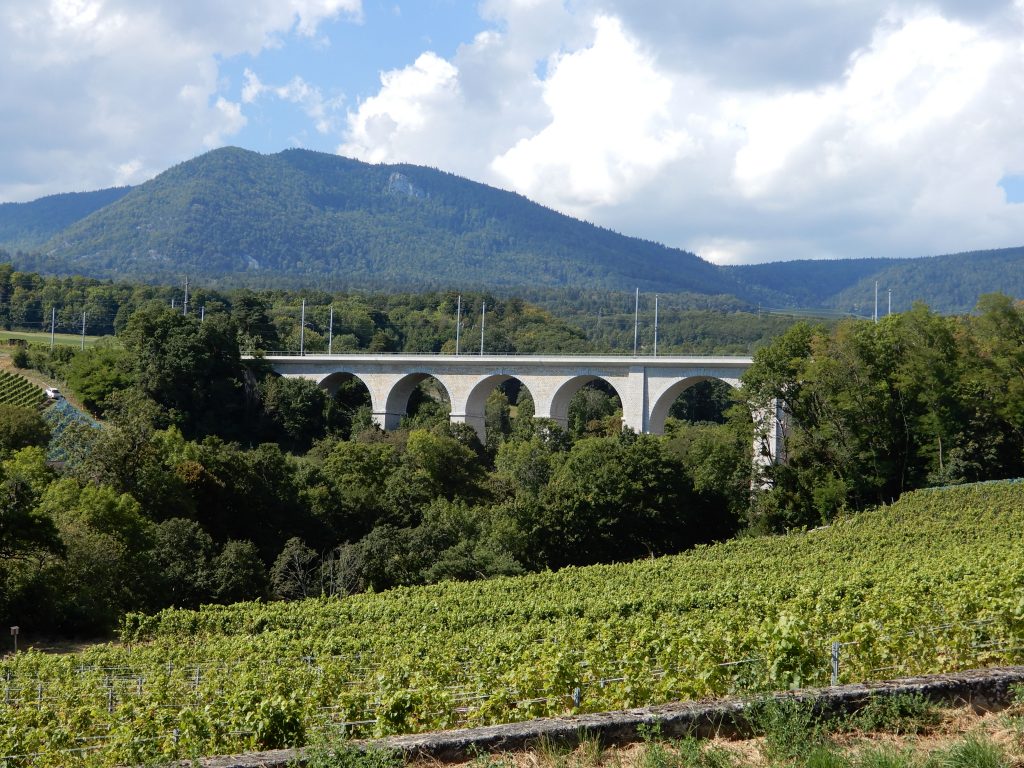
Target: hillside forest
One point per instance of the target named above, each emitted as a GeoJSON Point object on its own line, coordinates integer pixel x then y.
{"type": "Point", "coordinates": [208, 479]}
{"type": "Point", "coordinates": [235, 218]}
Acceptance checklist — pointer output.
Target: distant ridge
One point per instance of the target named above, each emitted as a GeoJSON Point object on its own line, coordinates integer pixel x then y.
{"type": "Point", "coordinates": [309, 219]}
{"type": "Point", "coordinates": [950, 283]}
{"type": "Point", "coordinates": [29, 225]}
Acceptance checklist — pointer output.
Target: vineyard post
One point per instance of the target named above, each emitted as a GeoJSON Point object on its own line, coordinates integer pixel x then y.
{"type": "Point", "coordinates": [14, 634]}
{"type": "Point", "coordinates": [835, 663]}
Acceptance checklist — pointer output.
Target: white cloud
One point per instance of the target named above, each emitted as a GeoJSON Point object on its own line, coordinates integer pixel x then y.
{"type": "Point", "coordinates": [909, 145]}
{"type": "Point", "coordinates": [297, 91]}
{"type": "Point", "coordinates": [408, 100]}
{"type": "Point", "coordinates": [97, 92]}
{"type": "Point", "coordinates": [610, 126]}
{"type": "Point", "coordinates": [231, 121]}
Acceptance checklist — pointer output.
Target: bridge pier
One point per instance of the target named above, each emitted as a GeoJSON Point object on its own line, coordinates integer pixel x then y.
{"type": "Point", "coordinates": [387, 420]}
{"type": "Point", "coordinates": [476, 421]}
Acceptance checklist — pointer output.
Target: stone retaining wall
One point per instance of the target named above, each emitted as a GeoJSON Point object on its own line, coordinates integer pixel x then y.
{"type": "Point", "coordinates": [984, 689]}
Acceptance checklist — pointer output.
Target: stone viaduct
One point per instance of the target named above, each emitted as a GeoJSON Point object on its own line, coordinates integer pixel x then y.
{"type": "Point", "coordinates": [646, 386]}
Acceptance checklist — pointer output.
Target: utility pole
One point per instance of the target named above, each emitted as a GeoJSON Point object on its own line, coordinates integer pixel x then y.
{"type": "Point", "coordinates": [53, 324]}
{"type": "Point", "coordinates": [302, 330]}
{"type": "Point", "coordinates": [483, 321]}
{"type": "Point", "coordinates": [458, 323]}
{"type": "Point", "coordinates": [876, 301]}
{"type": "Point", "coordinates": [655, 325]}
{"type": "Point", "coordinates": [330, 332]}
{"type": "Point", "coordinates": [83, 329]}
{"type": "Point", "coordinates": [184, 305]}
{"type": "Point", "coordinates": [890, 302]}
{"type": "Point", "coordinates": [636, 320]}
{"type": "Point", "coordinates": [202, 314]}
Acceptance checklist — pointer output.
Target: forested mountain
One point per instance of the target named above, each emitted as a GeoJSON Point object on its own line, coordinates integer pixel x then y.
{"type": "Point", "coordinates": [950, 283]}
{"type": "Point", "coordinates": [307, 219]}
{"type": "Point", "coordinates": [310, 216]}
{"type": "Point", "coordinates": [29, 225]}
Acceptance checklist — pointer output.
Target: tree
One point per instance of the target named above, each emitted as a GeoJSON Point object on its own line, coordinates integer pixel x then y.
{"type": "Point", "coordinates": [25, 532]}
{"type": "Point", "coordinates": [497, 418]}
{"type": "Point", "coordinates": [239, 573]}
{"type": "Point", "coordinates": [356, 475]}
{"type": "Point", "coordinates": [613, 499]}
{"type": "Point", "coordinates": [296, 571]}
{"type": "Point", "coordinates": [999, 328]}
{"type": "Point", "coordinates": [183, 553]}
{"type": "Point", "coordinates": [295, 408]}
{"type": "Point", "coordinates": [21, 428]}
{"type": "Point", "coordinates": [450, 468]}
{"type": "Point", "coordinates": [717, 460]}
{"type": "Point", "coordinates": [595, 411]}
{"type": "Point", "coordinates": [191, 368]}
{"type": "Point", "coordinates": [106, 569]}
{"type": "Point", "coordinates": [250, 314]}
{"type": "Point", "coordinates": [96, 373]}
{"type": "Point", "coordinates": [523, 466]}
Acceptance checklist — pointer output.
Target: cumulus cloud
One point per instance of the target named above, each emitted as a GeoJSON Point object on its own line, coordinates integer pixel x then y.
{"type": "Point", "coordinates": [746, 131]}
{"type": "Point", "coordinates": [409, 100]}
{"type": "Point", "coordinates": [112, 91]}
{"type": "Point", "coordinates": [460, 114]}
{"type": "Point", "coordinates": [610, 127]}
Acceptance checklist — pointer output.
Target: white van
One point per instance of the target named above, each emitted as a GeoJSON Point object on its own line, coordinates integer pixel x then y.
{"type": "Point", "coordinates": [53, 393]}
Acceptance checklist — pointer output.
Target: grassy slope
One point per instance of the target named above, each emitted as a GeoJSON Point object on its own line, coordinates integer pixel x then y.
{"type": "Point", "coordinates": [42, 337]}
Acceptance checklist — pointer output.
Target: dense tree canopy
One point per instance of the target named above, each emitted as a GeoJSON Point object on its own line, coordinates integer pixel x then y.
{"type": "Point", "coordinates": [876, 409]}
{"type": "Point", "coordinates": [211, 479]}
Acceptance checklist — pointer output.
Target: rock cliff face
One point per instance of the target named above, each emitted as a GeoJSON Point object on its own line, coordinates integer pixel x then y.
{"type": "Point", "coordinates": [400, 184]}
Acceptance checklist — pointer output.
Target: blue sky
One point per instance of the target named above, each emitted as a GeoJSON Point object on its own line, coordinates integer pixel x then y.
{"type": "Point", "coordinates": [1013, 188]}
{"type": "Point", "coordinates": [347, 58]}
{"type": "Point", "coordinates": [742, 130]}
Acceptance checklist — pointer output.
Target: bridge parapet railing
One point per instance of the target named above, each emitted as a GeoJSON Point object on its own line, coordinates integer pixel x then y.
{"type": "Point", "coordinates": [251, 353]}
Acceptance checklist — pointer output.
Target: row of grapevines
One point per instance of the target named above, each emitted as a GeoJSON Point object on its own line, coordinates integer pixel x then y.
{"type": "Point", "coordinates": [933, 583]}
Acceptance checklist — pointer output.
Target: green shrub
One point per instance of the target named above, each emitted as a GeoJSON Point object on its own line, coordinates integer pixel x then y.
{"type": "Point", "coordinates": [348, 756]}
{"type": "Point", "coordinates": [791, 728]}
{"type": "Point", "coordinates": [895, 714]}
{"type": "Point", "coordinates": [975, 752]}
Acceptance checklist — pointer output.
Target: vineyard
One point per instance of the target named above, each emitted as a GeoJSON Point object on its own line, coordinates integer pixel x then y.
{"type": "Point", "coordinates": [933, 583]}
{"type": "Point", "coordinates": [18, 391]}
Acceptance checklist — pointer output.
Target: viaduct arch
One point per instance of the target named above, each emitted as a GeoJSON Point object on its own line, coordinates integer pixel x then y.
{"type": "Point", "coordinates": [646, 386]}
